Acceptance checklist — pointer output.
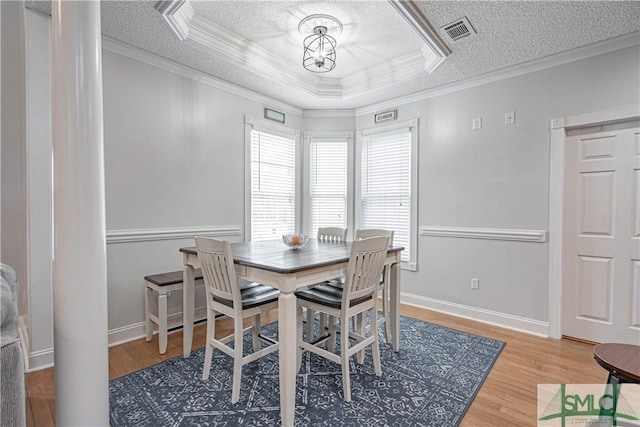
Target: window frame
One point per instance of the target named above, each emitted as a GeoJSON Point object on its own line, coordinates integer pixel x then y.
{"type": "Point", "coordinates": [331, 136]}
{"type": "Point", "coordinates": [361, 136]}
{"type": "Point", "coordinates": [261, 125]}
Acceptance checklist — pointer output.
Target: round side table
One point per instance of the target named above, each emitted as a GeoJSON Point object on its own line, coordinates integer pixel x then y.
{"type": "Point", "coordinates": [621, 360]}
{"type": "Point", "coordinates": [623, 363]}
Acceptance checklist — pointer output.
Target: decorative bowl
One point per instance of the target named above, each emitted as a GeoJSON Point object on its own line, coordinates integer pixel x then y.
{"type": "Point", "coordinates": [295, 241]}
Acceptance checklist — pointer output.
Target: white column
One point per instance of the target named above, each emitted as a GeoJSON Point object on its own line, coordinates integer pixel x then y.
{"type": "Point", "coordinates": [80, 260]}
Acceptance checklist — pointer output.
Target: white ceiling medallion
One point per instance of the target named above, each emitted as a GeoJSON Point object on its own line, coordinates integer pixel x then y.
{"type": "Point", "coordinates": [204, 34]}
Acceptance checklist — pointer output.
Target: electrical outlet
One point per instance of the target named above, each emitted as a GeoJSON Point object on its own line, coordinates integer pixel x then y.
{"type": "Point", "coordinates": [510, 118]}
{"type": "Point", "coordinates": [477, 123]}
{"type": "Point", "coordinates": [475, 283]}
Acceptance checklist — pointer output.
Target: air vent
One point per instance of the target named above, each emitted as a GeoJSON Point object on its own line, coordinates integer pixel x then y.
{"type": "Point", "coordinates": [458, 29]}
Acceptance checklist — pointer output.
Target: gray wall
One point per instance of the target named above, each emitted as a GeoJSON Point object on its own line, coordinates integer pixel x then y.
{"type": "Point", "coordinates": [174, 158]}
{"type": "Point", "coordinates": [498, 177]}
{"type": "Point", "coordinates": [13, 235]}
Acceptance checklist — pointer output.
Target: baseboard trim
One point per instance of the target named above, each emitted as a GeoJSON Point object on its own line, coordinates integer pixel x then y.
{"type": "Point", "coordinates": [495, 318]}
{"type": "Point", "coordinates": [137, 330]}
{"type": "Point", "coordinates": [43, 359]}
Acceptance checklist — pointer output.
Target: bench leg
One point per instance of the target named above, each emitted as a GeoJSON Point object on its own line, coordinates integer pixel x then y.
{"type": "Point", "coordinates": [147, 313]}
{"type": "Point", "coordinates": [162, 327]}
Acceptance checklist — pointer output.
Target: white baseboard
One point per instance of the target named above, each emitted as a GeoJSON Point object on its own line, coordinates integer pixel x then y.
{"type": "Point", "coordinates": [137, 330]}
{"type": "Point", "coordinates": [43, 359]}
{"type": "Point", "coordinates": [503, 320]}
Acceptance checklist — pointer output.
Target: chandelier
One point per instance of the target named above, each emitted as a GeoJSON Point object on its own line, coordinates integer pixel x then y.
{"type": "Point", "coordinates": [319, 48]}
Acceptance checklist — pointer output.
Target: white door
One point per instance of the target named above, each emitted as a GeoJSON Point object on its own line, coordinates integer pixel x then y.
{"type": "Point", "coordinates": [601, 256]}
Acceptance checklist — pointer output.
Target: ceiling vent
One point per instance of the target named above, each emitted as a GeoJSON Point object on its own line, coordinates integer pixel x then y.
{"type": "Point", "coordinates": [458, 29]}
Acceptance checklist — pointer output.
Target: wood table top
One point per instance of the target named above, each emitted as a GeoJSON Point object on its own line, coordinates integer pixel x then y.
{"type": "Point", "coordinates": [274, 255]}
{"type": "Point", "coordinates": [620, 358]}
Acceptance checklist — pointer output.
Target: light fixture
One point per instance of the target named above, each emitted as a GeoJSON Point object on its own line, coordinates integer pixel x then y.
{"type": "Point", "coordinates": [319, 48]}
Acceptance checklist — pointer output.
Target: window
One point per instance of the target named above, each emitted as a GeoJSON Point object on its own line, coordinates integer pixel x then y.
{"type": "Point", "coordinates": [386, 184]}
{"type": "Point", "coordinates": [327, 202]}
{"type": "Point", "coordinates": [272, 195]}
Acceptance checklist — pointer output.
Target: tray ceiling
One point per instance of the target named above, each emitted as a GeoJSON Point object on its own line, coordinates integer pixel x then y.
{"type": "Point", "coordinates": [257, 45]}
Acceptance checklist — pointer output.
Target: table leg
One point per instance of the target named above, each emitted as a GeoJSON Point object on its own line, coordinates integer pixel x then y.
{"type": "Point", "coordinates": [188, 302]}
{"type": "Point", "coordinates": [394, 291]}
{"type": "Point", "coordinates": [287, 329]}
{"type": "Point", "coordinates": [612, 390]}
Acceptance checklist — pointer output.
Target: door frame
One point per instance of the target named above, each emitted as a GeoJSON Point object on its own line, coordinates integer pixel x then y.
{"type": "Point", "coordinates": [559, 128]}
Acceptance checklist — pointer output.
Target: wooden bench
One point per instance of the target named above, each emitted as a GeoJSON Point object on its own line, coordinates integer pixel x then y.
{"type": "Point", "coordinates": [162, 284]}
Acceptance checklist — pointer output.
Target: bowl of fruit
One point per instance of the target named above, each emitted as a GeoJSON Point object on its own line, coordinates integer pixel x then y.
{"type": "Point", "coordinates": [295, 241]}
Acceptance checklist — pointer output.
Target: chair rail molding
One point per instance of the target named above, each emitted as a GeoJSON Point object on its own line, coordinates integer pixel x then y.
{"type": "Point", "coordinates": [149, 234]}
{"type": "Point", "coordinates": [539, 236]}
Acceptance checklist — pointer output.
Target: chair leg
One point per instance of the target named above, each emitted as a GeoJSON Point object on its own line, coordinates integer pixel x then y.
{"type": "Point", "coordinates": [256, 333]}
{"type": "Point", "coordinates": [148, 295]}
{"type": "Point", "coordinates": [333, 333]}
{"type": "Point", "coordinates": [360, 329]}
{"type": "Point", "coordinates": [323, 323]}
{"type": "Point", "coordinates": [332, 325]}
{"type": "Point", "coordinates": [208, 352]}
{"type": "Point", "coordinates": [237, 359]}
{"type": "Point", "coordinates": [375, 348]}
{"type": "Point", "coordinates": [386, 308]}
{"type": "Point", "coordinates": [298, 338]}
{"type": "Point", "coordinates": [344, 359]}
{"type": "Point", "coordinates": [311, 318]}
{"type": "Point", "coordinates": [162, 328]}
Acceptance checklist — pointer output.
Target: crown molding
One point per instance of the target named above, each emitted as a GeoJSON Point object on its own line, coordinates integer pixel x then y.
{"type": "Point", "coordinates": [217, 40]}
{"type": "Point", "coordinates": [177, 15]}
{"type": "Point", "coordinates": [416, 19]}
{"type": "Point", "coordinates": [391, 72]}
{"type": "Point", "coordinates": [561, 58]}
{"type": "Point", "coordinates": [204, 34]}
{"type": "Point", "coordinates": [328, 114]}
{"type": "Point", "coordinates": [204, 78]}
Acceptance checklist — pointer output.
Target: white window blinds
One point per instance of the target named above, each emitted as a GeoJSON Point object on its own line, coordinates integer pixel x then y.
{"type": "Point", "coordinates": [386, 185]}
{"type": "Point", "coordinates": [328, 184]}
{"type": "Point", "coordinates": [273, 185]}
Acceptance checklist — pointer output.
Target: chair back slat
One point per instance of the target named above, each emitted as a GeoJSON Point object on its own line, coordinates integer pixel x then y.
{"type": "Point", "coordinates": [366, 233]}
{"type": "Point", "coordinates": [218, 271]}
{"type": "Point", "coordinates": [365, 267]}
{"type": "Point", "coordinates": [332, 234]}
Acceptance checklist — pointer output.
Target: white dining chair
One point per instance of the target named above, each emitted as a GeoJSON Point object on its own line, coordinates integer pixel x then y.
{"type": "Point", "coordinates": [332, 234]}
{"type": "Point", "coordinates": [325, 234]}
{"type": "Point", "coordinates": [366, 233]}
{"type": "Point", "coordinates": [357, 296]}
{"type": "Point", "coordinates": [225, 295]}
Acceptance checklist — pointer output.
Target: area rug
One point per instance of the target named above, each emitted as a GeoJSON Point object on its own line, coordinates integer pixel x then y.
{"type": "Point", "coordinates": [430, 382]}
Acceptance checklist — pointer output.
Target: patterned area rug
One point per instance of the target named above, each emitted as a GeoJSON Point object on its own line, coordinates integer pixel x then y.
{"type": "Point", "coordinates": [430, 382]}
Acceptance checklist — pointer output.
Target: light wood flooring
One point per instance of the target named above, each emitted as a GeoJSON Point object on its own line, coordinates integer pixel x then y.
{"type": "Point", "coordinates": [507, 398]}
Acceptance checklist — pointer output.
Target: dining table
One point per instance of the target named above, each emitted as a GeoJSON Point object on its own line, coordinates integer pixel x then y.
{"type": "Point", "coordinates": [272, 263]}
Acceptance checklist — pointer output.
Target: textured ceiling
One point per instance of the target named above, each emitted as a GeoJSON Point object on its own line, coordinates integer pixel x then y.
{"type": "Point", "coordinates": [374, 40]}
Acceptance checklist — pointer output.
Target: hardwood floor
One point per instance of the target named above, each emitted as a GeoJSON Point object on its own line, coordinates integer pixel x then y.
{"type": "Point", "coordinates": [507, 398]}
